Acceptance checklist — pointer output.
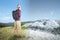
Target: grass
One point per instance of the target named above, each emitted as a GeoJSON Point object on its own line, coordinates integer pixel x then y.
{"type": "Point", "coordinates": [7, 33]}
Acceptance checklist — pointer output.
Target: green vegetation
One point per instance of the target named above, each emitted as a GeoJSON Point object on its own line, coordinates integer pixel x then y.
{"type": "Point", "coordinates": [7, 33]}
{"type": "Point", "coordinates": [9, 24]}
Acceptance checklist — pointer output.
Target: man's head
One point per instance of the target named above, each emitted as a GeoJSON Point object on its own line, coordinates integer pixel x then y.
{"type": "Point", "coordinates": [18, 6]}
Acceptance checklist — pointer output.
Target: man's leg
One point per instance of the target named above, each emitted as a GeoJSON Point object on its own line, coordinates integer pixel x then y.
{"type": "Point", "coordinates": [18, 27]}
{"type": "Point", "coordinates": [15, 26]}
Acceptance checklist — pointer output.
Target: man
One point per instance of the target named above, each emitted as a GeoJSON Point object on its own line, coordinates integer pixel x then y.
{"type": "Point", "coordinates": [16, 16]}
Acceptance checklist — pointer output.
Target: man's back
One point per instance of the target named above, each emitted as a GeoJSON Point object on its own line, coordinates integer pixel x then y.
{"type": "Point", "coordinates": [16, 14]}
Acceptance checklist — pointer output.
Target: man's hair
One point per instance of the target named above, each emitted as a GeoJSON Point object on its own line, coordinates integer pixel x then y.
{"type": "Point", "coordinates": [18, 5]}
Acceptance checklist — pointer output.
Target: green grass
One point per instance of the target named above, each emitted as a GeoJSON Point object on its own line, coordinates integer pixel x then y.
{"type": "Point", "coordinates": [7, 33]}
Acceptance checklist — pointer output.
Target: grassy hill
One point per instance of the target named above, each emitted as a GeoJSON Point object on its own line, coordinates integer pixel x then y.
{"type": "Point", "coordinates": [7, 33]}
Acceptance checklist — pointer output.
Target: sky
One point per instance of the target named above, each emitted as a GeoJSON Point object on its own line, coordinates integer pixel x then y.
{"type": "Point", "coordinates": [31, 9]}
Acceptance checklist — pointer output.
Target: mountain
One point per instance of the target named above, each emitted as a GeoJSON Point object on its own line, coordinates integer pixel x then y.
{"type": "Point", "coordinates": [51, 26]}
{"type": "Point", "coordinates": [6, 24]}
{"type": "Point", "coordinates": [43, 30]}
{"type": "Point", "coordinates": [44, 23]}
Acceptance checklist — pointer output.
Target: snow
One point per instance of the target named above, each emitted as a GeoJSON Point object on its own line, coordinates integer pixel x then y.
{"type": "Point", "coordinates": [49, 24]}
{"type": "Point", "coordinates": [41, 35]}
{"type": "Point", "coordinates": [36, 34]}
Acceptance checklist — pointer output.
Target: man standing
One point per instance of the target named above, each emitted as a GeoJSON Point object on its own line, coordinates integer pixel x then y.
{"type": "Point", "coordinates": [17, 17]}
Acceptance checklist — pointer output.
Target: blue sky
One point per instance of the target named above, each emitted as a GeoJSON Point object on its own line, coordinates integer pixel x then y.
{"type": "Point", "coordinates": [44, 9]}
{"type": "Point", "coordinates": [7, 6]}
{"type": "Point", "coordinates": [31, 9]}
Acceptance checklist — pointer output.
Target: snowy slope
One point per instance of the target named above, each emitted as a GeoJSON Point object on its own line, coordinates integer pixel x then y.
{"type": "Point", "coordinates": [41, 35]}
{"type": "Point", "coordinates": [44, 24]}
{"type": "Point", "coordinates": [43, 30]}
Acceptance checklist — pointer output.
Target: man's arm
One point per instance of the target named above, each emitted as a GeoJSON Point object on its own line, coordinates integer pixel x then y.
{"type": "Point", "coordinates": [19, 13]}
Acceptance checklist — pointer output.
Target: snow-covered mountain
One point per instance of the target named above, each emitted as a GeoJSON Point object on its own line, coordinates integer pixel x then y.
{"type": "Point", "coordinates": [43, 30]}
{"type": "Point", "coordinates": [40, 35]}
{"type": "Point", "coordinates": [44, 24]}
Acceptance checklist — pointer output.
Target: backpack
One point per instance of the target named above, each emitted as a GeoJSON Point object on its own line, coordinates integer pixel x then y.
{"type": "Point", "coordinates": [15, 15]}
